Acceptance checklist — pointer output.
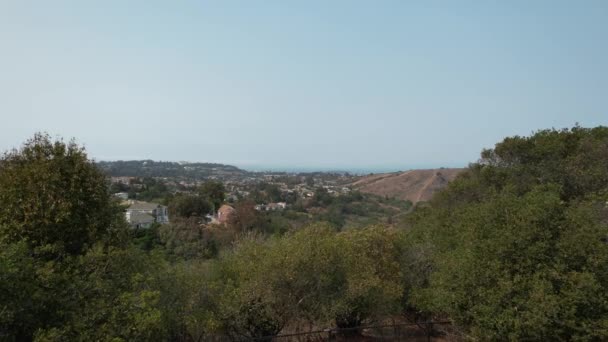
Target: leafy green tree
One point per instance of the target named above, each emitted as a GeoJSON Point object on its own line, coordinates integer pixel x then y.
{"type": "Point", "coordinates": [119, 187]}
{"type": "Point", "coordinates": [186, 206]}
{"type": "Point", "coordinates": [516, 245]}
{"type": "Point", "coordinates": [21, 309]}
{"type": "Point", "coordinates": [248, 219]}
{"type": "Point", "coordinates": [55, 200]}
{"type": "Point", "coordinates": [66, 272]}
{"type": "Point", "coordinates": [374, 287]}
{"type": "Point", "coordinates": [147, 239]}
{"type": "Point", "coordinates": [186, 239]}
{"type": "Point", "coordinates": [214, 192]}
{"type": "Point", "coordinates": [247, 309]}
{"type": "Point", "coordinates": [109, 295]}
{"type": "Point", "coordinates": [273, 193]}
{"type": "Point", "coordinates": [188, 301]}
{"type": "Point", "coordinates": [322, 198]}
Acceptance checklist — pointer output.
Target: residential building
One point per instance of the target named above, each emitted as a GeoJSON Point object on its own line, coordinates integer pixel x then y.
{"type": "Point", "coordinates": [122, 195]}
{"type": "Point", "coordinates": [143, 214]}
{"type": "Point", "coordinates": [225, 214]}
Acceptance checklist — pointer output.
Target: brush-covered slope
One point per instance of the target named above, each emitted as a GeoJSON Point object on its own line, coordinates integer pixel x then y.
{"type": "Point", "coordinates": [413, 185]}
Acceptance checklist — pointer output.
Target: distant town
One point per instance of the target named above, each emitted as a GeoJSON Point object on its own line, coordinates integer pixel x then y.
{"type": "Point", "coordinates": [138, 183]}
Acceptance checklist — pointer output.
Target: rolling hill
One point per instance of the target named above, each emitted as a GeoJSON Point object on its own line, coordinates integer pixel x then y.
{"type": "Point", "coordinates": [150, 168]}
{"type": "Point", "coordinates": [412, 185]}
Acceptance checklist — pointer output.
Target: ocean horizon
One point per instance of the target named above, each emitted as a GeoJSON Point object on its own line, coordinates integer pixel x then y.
{"type": "Point", "coordinates": [358, 170]}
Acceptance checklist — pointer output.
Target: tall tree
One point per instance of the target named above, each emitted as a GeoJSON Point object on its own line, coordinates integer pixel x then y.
{"type": "Point", "coordinates": [54, 199]}
{"type": "Point", "coordinates": [186, 206]}
{"type": "Point", "coordinates": [65, 271]}
{"type": "Point", "coordinates": [214, 191]}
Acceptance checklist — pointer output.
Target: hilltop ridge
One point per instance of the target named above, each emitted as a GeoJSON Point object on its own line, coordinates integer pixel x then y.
{"type": "Point", "coordinates": [151, 168]}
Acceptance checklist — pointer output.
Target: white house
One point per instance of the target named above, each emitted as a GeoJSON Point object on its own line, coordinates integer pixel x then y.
{"type": "Point", "coordinates": [143, 214]}
{"type": "Point", "coordinates": [140, 220]}
{"type": "Point", "coordinates": [122, 195]}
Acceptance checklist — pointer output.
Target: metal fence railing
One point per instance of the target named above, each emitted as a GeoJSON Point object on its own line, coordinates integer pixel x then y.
{"type": "Point", "coordinates": [414, 332]}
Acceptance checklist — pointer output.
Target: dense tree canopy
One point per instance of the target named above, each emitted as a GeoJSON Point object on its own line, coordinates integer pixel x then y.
{"type": "Point", "coordinates": [65, 270]}
{"type": "Point", "coordinates": [517, 244]}
{"type": "Point", "coordinates": [186, 206]}
{"type": "Point", "coordinates": [214, 192]}
{"type": "Point", "coordinates": [54, 199]}
{"type": "Point", "coordinates": [315, 275]}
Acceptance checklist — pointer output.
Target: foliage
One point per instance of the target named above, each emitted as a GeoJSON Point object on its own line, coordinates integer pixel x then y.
{"type": "Point", "coordinates": [314, 275]}
{"type": "Point", "coordinates": [66, 272]}
{"type": "Point", "coordinates": [516, 248]}
{"type": "Point", "coordinates": [186, 206]}
{"type": "Point", "coordinates": [22, 303]}
{"type": "Point", "coordinates": [147, 238]}
{"type": "Point", "coordinates": [214, 192]}
{"type": "Point", "coordinates": [354, 209]}
{"type": "Point", "coordinates": [149, 189]}
{"type": "Point", "coordinates": [264, 192]}
{"type": "Point", "coordinates": [517, 243]}
{"type": "Point", "coordinates": [248, 218]}
{"type": "Point", "coordinates": [55, 200]}
{"type": "Point", "coordinates": [187, 239]}
{"type": "Point", "coordinates": [108, 298]}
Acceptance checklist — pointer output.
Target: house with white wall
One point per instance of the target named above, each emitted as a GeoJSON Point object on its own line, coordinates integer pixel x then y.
{"type": "Point", "coordinates": [144, 214]}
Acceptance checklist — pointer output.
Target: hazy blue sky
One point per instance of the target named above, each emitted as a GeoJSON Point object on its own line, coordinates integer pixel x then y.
{"type": "Point", "coordinates": [340, 84]}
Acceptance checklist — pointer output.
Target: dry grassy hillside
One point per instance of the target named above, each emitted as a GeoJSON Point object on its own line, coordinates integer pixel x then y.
{"type": "Point", "coordinates": [413, 185]}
